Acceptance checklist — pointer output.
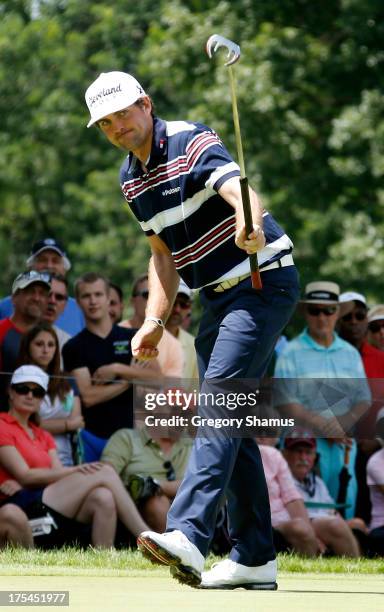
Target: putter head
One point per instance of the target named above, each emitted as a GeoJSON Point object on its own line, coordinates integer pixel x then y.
{"type": "Point", "coordinates": [216, 41]}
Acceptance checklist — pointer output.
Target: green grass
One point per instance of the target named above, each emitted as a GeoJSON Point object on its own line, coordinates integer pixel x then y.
{"type": "Point", "coordinates": [129, 563]}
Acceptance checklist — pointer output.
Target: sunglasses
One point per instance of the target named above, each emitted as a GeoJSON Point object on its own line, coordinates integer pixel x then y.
{"type": "Point", "coordinates": [37, 392]}
{"type": "Point", "coordinates": [183, 304]}
{"type": "Point", "coordinates": [59, 297]}
{"type": "Point", "coordinates": [376, 326]}
{"type": "Point", "coordinates": [143, 294]}
{"type": "Point", "coordinates": [358, 316]}
{"type": "Point", "coordinates": [171, 474]}
{"type": "Point", "coordinates": [315, 311]}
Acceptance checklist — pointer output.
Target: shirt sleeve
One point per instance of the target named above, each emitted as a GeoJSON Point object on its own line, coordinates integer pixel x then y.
{"type": "Point", "coordinates": [375, 470]}
{"type": "Point", "coordinates": [6, 436]}
{"type": "Point", "coordinates": [118, 451]}
{"type": "Point", "coordinates": [287, 486]}
{"type": "Point", "coordinates": [72, 356]}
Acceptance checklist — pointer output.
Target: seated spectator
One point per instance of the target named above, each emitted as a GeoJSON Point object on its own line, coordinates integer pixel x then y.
{"type": "Point", "coordinates": [289, 515]}
{"type": "Point", "coordinates": [49, 255]}
{"type": "Point", "coordinates": [29, 297]}
{"type": "Point", "coordinates": [376, 326]}
{"type": "Point", "coordinates": [116, 303]}
{"type": "Point", "coordinates": [331, 529]}
{"type": "Point", "coordinates": [60, 410]}
{"type": "Point", "coordinates": [57, 300]}
{"type": "Point", "coordinates": [158, 460]}
{"type": "Point", "coordinates": [14, 527]}
{"type": "Point", "coordinates": [375, 481]}
{"type": "Point", "coordinates": [100, 359]}
{"type": "Point", "coordinates": [170, 356]}
{"type": "Point", "coordinates": [91, 493]}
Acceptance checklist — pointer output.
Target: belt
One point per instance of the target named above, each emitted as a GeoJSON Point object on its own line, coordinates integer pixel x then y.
{"type": "Point", "coordinates": [285, 261]}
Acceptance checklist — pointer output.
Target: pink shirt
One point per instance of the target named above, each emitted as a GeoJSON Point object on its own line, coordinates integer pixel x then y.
{"type": "Point", "coordinates": [281, 487]}
{"type": "Point", "coordinates": [375, 476]}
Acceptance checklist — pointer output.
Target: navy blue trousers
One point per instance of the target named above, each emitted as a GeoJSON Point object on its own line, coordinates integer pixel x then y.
{"type": "Point", "coordinates": [236, 339]}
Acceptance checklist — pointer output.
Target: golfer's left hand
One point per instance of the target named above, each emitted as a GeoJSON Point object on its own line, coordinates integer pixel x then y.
{"type": "Point", "coordinates": [255, 241]}
{"type": "Point", "coordinates": [144, 342]}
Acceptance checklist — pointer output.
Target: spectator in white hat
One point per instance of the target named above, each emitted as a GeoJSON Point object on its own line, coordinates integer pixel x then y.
{"type": "Point", "coordinates": [376, 326]}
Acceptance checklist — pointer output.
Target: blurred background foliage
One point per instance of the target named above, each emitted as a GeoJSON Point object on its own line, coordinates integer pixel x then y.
{"type": "Point", "coordinates": [310, 93]}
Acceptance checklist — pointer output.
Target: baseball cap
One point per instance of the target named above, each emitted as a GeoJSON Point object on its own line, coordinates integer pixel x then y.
{"type": "Point", "coordinates": [349, 296]}
{"type": "Point", "coordinates": [30, 373]}
{"type": "Point", "coordinates": [184, 289]}
{"type": "Point", "coordinates": [52, 245]}
{"type": "Point", "coordinates": [376, 313]}
{"type": "Point", "coordinates": [111, 92]}
{"type": "Point", "coordinates": [300, 436]}
{"type": "Point", "coordinates": [25, 279]}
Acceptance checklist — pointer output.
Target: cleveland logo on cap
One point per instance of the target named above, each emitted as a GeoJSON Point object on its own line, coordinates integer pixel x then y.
{"type": "Point", "coordinates": [92, 100]}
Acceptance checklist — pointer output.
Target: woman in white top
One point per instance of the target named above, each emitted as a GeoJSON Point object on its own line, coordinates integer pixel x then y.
{"type": "Point", "coordinates": [60, 410]}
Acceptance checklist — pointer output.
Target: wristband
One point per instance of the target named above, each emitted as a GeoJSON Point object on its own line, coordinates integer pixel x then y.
{"type": "Point", "coordinates": [158, 322]}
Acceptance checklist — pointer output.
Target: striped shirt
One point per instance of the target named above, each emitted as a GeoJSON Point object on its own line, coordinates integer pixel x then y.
{"type": "Point", "coordinates": [177, 199]}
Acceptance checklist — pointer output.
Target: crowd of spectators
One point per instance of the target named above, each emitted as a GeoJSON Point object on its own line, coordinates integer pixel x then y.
{"type": "Point", "coordinates": [75, 453]}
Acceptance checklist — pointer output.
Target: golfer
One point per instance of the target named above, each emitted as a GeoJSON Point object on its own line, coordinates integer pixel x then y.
{"type": "Point", "coordinates": [183, 187]}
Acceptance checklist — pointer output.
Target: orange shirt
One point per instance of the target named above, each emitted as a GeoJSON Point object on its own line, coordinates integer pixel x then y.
{"type": "Point", "coordinates": [34, 451]}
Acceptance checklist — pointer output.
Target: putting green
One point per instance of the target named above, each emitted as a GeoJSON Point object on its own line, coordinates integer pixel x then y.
{"type": "Point", "coordinates": [311, 592]}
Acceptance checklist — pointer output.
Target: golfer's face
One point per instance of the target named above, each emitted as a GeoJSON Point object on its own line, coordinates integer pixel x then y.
{"type": "Point", "coordinates": [130, 128]}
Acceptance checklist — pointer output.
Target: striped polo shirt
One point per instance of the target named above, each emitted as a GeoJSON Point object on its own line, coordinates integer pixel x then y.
{"type": "Point", "coordinates": [177, 199]}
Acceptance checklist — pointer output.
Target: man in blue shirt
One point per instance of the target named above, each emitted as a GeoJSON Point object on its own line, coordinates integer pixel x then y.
{"type": "Point", "coordinates": [326, 390]}
{"type": "Point", "coordinates": [48, 255]}
{"type": "Point", "coordinates": [183, 187]}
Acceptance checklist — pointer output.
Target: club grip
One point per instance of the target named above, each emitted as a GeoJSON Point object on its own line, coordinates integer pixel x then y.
{"type": "Point", "coordinates": [255, 273]}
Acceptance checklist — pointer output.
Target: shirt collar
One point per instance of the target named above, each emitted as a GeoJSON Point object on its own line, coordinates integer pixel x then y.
{"type": "Point", "coordinates": [159, 146]}
{"type": "Point", "coordinates": [307, 339]}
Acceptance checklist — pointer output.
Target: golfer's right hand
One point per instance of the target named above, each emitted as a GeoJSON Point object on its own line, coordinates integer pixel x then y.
{"type": "Point", "coordinates": [144, 342]}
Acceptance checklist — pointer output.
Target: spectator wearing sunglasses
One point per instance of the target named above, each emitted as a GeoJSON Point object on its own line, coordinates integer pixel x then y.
{"type": "Point", "coordinates": [327, 391]}
{"type": "Point", "coordinates": [353, 327]}
{"type": "Point", "coordinates": [376, 326]}
{"type": "Point", "coordinates": [30, 292]}
{"type": "Point", "coordinates": [170, 355]}
{"type": "Point", "coordinates": [181, 307]}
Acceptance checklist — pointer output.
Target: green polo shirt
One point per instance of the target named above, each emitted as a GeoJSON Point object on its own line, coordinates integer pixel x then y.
{"type": "Point", "coordinates": [132, 451]}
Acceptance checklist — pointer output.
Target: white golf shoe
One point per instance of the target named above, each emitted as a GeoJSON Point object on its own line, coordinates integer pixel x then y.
{"type": "Point", "coordinates": [228, 574]}
{"type": "Point", "coordinates": [174, 549]}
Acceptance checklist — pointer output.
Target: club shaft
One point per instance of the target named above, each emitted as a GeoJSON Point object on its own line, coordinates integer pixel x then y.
{"type": "Point", "coordinates": [255, 273]}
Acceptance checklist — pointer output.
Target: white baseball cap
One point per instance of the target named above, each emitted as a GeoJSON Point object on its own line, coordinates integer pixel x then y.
{"type": "Point", "coordinates": [347, 296]}
{"type": "Point", "coordinates": [184, 289]}
{"type": "Point", "coordinates": [111, 92]}
{"type": "Point", "coordinates": [30, 373]}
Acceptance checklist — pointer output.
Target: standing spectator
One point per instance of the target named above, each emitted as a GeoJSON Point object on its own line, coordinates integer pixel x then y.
{"type": "Point", "coordinates": [48, 255]}
{"type": "Point", "coordinates": [91, 494]}
{"type": "Point", "coordinates": [289, 516]}
{"type": "Point", "coordinates": [174, 324]}
{"type": "Point", "coordinates": [60, 410]}
{"type": "Point", "coordinates": [353, 328]}
{"type": "Point", "coordinates": [170, 355]}
{"type": "Point", "coordinates": [57, 300]}
{"type": "Point", "coordinates": [29, 297]}
{"type": "Point", "coordinates": [100, 358]}
{"type": "Point", "coordinates": [327, 391]}
{"type": "Point", "coordinates": [330, 528]}
{"type": "Point", "coordinates": [376, 326]}
{"type": "Point", "coordinates": [116, 303]}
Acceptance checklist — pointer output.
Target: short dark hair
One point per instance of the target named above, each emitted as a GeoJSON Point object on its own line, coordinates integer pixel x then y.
{"type": "Point", "coordinates": [118, 290]}
{"type": "Point", "coordinates": [90, 277]}
{"type": "Point", "coordinates": [140, 279]}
